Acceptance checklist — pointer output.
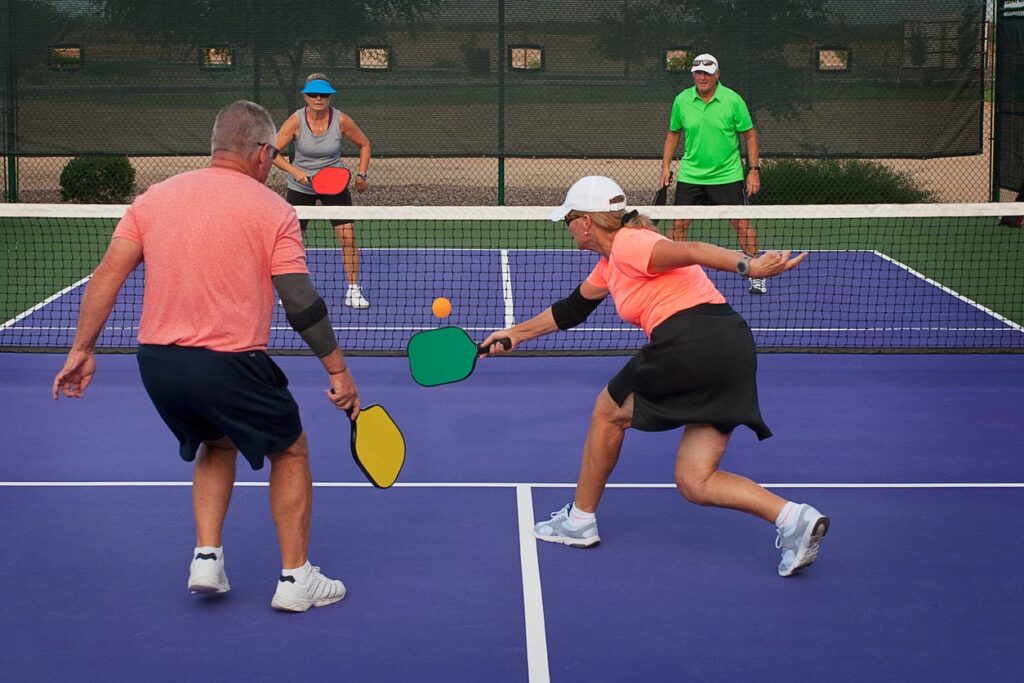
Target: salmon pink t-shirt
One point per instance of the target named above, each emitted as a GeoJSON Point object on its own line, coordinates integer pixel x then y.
{"type": "Point", "coordinates": [211, 240]}
{"type": "Point", "coordinates": [647, 299]}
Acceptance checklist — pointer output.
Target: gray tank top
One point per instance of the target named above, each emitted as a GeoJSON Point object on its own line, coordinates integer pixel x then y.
{"type": "Point", "coordinates": [315, 152]}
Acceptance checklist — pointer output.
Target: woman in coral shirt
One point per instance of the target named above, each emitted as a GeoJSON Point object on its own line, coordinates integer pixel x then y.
{"type": "Point", "coordinates": [699, 369]}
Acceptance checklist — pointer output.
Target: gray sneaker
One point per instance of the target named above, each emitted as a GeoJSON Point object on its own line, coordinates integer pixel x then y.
{"type": "Point", "coordinates": [800, 546]}
{"type": "Point", "coordinates": [555, 531]}
{"type": "Point", "coordinates": [758, 285]}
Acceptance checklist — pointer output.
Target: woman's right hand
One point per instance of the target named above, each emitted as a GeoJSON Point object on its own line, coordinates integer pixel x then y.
{"type": "Point", "coordinates": [771, 263]}
{"type": "Point", "coordinates": [300, 176]}
{"type": "Point", "coordinates": [494, 346]}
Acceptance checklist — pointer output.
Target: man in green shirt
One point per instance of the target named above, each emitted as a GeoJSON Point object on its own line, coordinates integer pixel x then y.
{"type": "Point", "coordinates": [712, 117]}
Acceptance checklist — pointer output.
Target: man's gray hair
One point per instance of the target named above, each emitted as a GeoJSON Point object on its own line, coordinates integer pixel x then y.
{"type": "Point", "coordinates": [240, 126]}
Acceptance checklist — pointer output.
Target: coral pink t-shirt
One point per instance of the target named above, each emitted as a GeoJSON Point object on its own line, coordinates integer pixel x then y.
{"type": "Point", "coordinates": [211, 240]}
{"type": "Point", "coordinates": [647, 299]}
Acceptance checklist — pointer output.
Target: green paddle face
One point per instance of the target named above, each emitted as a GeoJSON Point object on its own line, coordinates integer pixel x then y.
{"type": "Point", "coordinates": [441, 356]}
{"type": "Point", "coordinates": [378, 446]}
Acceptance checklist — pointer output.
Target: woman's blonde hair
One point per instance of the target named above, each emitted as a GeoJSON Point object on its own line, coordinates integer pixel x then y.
{"type": "Point", "coordinates": [612, 221]}
{"type": "Point", "coordinates": [319, 77]}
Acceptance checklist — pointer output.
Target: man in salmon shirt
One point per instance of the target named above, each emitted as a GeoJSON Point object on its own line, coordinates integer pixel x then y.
{"type": "Point", "coordinates": [217, 243]}
{"type": "Point", "coordinates": [699, 370]}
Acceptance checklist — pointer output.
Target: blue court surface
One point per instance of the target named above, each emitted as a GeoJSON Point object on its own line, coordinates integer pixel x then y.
{"type": "Point", "coordinates": [836, 299]}
{"type": "Point", "coordinates": [917, 459]}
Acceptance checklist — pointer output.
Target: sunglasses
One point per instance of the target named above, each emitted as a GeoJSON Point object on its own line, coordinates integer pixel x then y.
{"type": "Point", "coordinates": [318, 96]}
{"type": "Point", "coordinates": [274, 151]}
{"type": "Point", "coordinates": [571, 217]}
{"type": "Point", "coordinates": [703, 62]}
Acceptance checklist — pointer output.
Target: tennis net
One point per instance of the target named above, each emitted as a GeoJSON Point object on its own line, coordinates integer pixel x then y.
{"type": "Point", "coordinates": [878, 278]}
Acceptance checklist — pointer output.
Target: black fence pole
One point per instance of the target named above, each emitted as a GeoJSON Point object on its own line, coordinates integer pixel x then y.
{"type": "Point", "coordinates": [10, 103]}
{"type": "Point", "coordinates": [501, 102]}
{"type": "Point", "coordinates": [993, 34]}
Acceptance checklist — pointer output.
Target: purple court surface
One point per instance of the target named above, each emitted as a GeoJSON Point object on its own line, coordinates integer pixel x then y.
{"type": "Point", "coordinates": [917, 459]}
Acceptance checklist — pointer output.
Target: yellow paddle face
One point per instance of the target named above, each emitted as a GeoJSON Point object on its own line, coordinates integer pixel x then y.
{"type": "Point", "coordinates": [378, 446]}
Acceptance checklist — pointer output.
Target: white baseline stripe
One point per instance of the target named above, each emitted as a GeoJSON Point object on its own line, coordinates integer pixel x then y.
{"type": "Point", "coordinates": [517, 485]}
{"type": "Point", "coordinates": [533, 601]}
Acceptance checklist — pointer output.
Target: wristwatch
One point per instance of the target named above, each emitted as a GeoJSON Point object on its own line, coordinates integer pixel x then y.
{"type": "Point", "coordinates": [755, 168]}
{"type": "Point", "coordinates": [362, 175]}
{"type": "Point", "coordinates": [743, 266]}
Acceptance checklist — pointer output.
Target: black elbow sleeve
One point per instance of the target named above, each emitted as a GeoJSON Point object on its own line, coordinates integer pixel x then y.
{"type": "Point", "coordinates": [573, 309]}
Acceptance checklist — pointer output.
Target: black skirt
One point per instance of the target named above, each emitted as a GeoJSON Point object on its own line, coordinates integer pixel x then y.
{"type": "Point", "coordinates": [700, 367]}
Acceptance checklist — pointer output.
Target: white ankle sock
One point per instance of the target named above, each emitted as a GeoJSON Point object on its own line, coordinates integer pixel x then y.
{"type": "Point", "coordinates": [301, 574]}
{"type": "Point", "coordinates": [209, 550]}
{"type": "Point", "coordinates": [788, 516]}
{"type": "Point", "coordinates": [578, 518]}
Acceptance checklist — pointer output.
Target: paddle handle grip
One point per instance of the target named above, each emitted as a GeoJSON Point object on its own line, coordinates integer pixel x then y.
{"type": "Point", "coordinates": [504, 341]}
{"type": "Point", "coordinates": [348, 411]}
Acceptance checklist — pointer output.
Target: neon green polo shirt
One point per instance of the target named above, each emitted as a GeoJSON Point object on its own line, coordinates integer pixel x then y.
{"type": "Point", "coordinates": [711, 153]}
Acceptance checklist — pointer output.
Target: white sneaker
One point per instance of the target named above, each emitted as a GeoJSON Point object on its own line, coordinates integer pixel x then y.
{"type": "Point", "coordinates": [318, 591]}
{"type": "Point", "coordinates": [354, 297]}
{"type": "Point", "coordinates": [206, 574]}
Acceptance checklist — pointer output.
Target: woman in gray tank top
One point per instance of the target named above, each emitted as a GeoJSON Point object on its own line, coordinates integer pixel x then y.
{"type": "Point", "coordinates": [317, 131]}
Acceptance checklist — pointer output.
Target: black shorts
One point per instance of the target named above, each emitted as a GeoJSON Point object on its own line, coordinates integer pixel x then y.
{"type": "Point", "coordinates": [700, 367]}
{"type": "Point", "coordinates": [205, 395]}
{"type": "Point", "coordinates": [296, 198]}
{"type": "Point", "coordinates": [727, 194]}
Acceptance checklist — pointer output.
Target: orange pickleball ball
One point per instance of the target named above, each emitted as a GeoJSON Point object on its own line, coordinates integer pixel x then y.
{"type": "Point", "coordinates": [441, 307]}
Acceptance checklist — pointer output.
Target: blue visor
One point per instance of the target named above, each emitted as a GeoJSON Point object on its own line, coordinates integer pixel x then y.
{"type": "Point", "coordinates": [318, 87]}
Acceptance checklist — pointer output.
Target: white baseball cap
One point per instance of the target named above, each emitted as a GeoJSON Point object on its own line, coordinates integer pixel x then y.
{"type": "Point", "coordinates": [591, 193]}
{"type": "Point", "coordinates": [700, 63]}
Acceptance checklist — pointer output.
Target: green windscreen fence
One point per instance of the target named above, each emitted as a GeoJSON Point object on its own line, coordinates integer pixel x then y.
{"type": "Point", "coordinates": [513, 78]}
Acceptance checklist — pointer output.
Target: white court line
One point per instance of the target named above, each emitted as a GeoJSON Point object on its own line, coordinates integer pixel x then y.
{"type": "Point", "coordinates": [506, 289]}
{"type": "Point", "coordinates": [44, 303]}
{"type": "Point", "coordinates": [533, 600]}
{"type": "Point", "coordinates": [532, 485]}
